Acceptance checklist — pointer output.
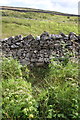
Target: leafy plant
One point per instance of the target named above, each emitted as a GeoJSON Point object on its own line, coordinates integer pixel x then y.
{"type": "Point", "coordinates": [62, 71]}
{"type": "Point", "coordinates": [18, 101]}
{"type": "Point", "coordinates": [10, 68]}
{"type": "Point", "coordinates": [60, 102]}
{"type": "Point", "coordinates": [49, 92]}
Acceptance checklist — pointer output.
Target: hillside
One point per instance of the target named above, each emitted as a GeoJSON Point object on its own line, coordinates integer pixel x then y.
{"type": "Point", "coordinates": [34, 23]}
{"type": "Point", "coordinates": [22, 9]}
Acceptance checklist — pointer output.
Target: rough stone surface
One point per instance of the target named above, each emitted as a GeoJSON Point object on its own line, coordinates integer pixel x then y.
{"type": "Point", "coordinates": [38, 51]}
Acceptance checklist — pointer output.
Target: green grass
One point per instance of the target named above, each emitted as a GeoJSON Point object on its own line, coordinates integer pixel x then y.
{"type": "Point", "coordinates": [14, 23]}
{"type": "Point", "coordinates": [15, 26]}
{"type": "Point", "coordinates": [42, 93]}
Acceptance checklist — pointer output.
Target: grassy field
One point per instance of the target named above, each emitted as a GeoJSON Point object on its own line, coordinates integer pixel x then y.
{"type": "Point", "coordinates": [14, 23]}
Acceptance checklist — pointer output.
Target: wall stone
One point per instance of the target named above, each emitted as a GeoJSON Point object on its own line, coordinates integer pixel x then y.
{"type": "Point", "coordinates": [38, 51]}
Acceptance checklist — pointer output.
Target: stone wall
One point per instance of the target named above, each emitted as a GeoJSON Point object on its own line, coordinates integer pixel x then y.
{"type": "Point", "coordinates": [38, 51]}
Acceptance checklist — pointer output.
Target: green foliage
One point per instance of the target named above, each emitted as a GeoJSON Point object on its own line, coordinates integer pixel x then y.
{"type": "Point", "coordinates": [60, 102]}
{"type": "Point", "coordinates": [11, 68]}
{"type": "Point", "coordinates": [18, 102]}
{"type": "Point", "coordinates": [49, 92]}
{"type": "Point", "coordinates": [63, 71]}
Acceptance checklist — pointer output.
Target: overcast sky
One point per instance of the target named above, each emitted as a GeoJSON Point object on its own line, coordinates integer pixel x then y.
{"type": "Point", "coordinates": [65, 6]}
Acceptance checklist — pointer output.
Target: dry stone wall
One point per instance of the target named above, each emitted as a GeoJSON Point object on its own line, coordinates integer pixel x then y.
{"type": "Point", "coordinates": [38, 51]}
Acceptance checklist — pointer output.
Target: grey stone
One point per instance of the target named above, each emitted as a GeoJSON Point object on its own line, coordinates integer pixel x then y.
{"type": "Point", "coordinates": [62, 34]}
{"type": "Point", "coordinates": [38, 51]}
{"type": "Point", "coordinates": [14, 46]}
{"type": "Point", "coordinates": [29, 37]}
{"type": "Point", "coordinates": [17, 43]}
{"type": "Point", "coordinates": [38, 38]}
{"type": "Point", "coordinates": [40, 64]}
{"type": "Point", "coordinates": [44, 34]}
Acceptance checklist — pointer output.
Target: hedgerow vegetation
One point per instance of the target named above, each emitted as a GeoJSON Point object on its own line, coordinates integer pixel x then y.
{"type": "Point", "coordinates": [39, 93]}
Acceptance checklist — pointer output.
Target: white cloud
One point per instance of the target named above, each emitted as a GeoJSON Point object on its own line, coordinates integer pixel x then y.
{"type": "Point", "coordinates": [41, 4]}
{"type": "Point", "coordinates": [4, 2]}
{"type": "Point", "coordinates": [67, 6]}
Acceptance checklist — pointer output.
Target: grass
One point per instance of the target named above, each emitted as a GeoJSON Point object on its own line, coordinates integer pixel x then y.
{"type": "Point", "coordinates": [34, 27]}
{"type": "Point", "coordinates": [14, 23]}
{"type": "Point", "coordinates": [42, 93]}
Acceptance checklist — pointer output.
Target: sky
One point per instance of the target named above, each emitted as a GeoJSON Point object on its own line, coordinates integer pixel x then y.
{"type": "Point", "coordinates": [64, 6]}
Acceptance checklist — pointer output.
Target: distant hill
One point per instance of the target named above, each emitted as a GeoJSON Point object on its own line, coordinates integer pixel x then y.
{"type": "Point", "coordinates": [21, 9]}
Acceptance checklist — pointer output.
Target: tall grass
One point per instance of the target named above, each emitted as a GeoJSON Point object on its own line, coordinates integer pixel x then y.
{"type": "Point", "coordinates": [39, 93]}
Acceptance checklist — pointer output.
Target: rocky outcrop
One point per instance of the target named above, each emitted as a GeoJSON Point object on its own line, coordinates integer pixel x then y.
{"type": "Point", "coordinates": [38, 51]}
